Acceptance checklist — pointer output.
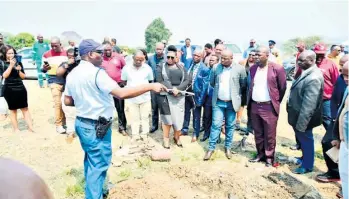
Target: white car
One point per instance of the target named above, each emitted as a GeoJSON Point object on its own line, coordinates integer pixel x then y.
{"type": "Point", "coordinates": [28, 63]}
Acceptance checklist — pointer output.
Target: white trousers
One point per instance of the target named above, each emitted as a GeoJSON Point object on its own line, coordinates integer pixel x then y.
{"type": "Point", "coordinates": [137, 115]}
{"type": "Point", "coordinates": [70, 116]}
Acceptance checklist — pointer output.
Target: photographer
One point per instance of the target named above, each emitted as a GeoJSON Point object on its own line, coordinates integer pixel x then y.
{"type": "Point", "coordinates": [70, 113]}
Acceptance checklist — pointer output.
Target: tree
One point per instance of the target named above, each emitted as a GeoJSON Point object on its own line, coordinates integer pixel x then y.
{"type": "Point", "coordinates": [21, 40]}
{"type": "Point", "coordinates": [155, 32]}
{"type": "Point", "coordinates": [289, 47]}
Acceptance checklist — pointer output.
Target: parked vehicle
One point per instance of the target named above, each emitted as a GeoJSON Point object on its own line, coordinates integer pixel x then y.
{"type": "Point", "coordinates": [290, 66]}
{"type": "Point", "coordinates": [28, 63]}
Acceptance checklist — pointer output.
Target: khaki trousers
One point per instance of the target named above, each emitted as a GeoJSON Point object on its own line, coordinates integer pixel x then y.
{"type": "Point", "coordinates": [56, 91]}
{"type": "Point", "coordinates": [137, 115]}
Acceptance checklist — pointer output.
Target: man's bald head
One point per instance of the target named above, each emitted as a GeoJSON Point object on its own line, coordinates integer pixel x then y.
{"type": "Point", "coordinates": [56, 44]}
{"type": "Point", "coordinates": [342, 61]}
{"type": "Point", "coordinates": [262, 54]}
{"type": "Point", "coordinates": [306, 59]}
{"type": "Point", "coordinates": [227, 58]}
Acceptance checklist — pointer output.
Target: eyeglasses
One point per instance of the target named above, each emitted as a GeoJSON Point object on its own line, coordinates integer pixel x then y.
{"type": "Point", "coordinates": [170, 57]}
{"type": "Point", "coordinates": [98, 51]}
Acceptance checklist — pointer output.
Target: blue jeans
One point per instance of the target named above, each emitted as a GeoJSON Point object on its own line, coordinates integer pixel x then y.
{"type": "Point", "coordinates": [306, 140]}
{"type": "Point", "coordinates": [222, 110]}
{"type": "Point", "coordinates": [196, 121]}
{"type": "Point", "coordinates": [98, 153]}
{"type": "Point", "coordinates": [326, 114]}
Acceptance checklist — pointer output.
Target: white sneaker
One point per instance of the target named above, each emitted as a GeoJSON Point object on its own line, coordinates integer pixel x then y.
{"type": "Point", "coordinates": [60, 129]}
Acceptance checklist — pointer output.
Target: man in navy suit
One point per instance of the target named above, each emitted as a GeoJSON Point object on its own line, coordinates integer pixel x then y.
{"type": "Point", "coordinates": [198, 75]}
{"type": "Point", "coordinates": [187, 53]}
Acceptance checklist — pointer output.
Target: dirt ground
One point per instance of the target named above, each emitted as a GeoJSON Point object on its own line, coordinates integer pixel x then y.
{"type": "Point", "coordinates": [185, 176]}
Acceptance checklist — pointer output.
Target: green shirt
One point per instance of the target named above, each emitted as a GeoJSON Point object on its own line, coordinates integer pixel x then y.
{"type": "Point", "coordinates": [39, 49]}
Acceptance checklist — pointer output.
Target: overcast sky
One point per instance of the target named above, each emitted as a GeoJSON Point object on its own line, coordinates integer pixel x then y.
{"type": "Point", "coordinates": [202, 21]}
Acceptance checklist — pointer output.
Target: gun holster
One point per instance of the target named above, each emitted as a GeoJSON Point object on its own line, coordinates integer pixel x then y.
{"type": "Point", "coordinates": [102, 126]}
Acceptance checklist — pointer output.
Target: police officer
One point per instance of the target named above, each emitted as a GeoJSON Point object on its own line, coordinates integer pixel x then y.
{"type": "Point", "coordinates": [91, 91]}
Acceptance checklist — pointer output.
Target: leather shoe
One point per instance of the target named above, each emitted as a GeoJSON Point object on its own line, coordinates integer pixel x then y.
{"type": "Point", "coordinates": [203, 139]}
{"type": "Point", "coordinates": [227, 153]}
{"type": "Point", "coordinates": [301, 170]}
{"type": "Point", "coordinates": [153, 129]}
{"type": "Point", "coordinates": [257, 159]}
{"type": "Point", "coordinates": [327, 177]}
{"type": "Point", "coordinates": [208, 155]}
{"type": "Point", "coordinates": [123, 132]}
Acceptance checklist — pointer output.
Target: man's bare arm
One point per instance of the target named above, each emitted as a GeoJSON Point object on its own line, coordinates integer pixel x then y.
{"type": "Point", "coordinates": [68, 101]}
{"type": "Point", "coordinates": [130, 92]}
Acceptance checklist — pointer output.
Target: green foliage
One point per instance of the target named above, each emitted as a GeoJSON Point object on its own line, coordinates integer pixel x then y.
{"type": "Point", "coordinates": [289, 47]}
{"type": "Point", "coordinates": [21, 40]}
{"type": "Point", "coordinates": [155, 32]}
{"type": "Point", "coordinates": [144, 162]}
{"type": "Point", "coordinates": [128, 50]}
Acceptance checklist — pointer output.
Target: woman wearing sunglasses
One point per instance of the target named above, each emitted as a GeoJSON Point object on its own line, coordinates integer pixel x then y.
{"type": "Point", "coordinates": [175, 77]}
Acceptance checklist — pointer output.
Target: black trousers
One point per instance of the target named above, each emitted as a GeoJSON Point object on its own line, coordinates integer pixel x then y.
{"type": "Point", "coordinates": [207, 120]}
{"type": "Point", "coordinates": [120, 108]}
{"type": "Point", "coordinates": [326, 145]}
{"type": "Point", "coordinates": [154, 110]}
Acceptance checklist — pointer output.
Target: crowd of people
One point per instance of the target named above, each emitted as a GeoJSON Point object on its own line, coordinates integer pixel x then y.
{"type": "Point", "coordinates": [173, 84]}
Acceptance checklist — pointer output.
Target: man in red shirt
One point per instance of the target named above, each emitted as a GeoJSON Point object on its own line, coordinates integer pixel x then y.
{"type": "Point", "coordinates": [330, 71]}
{"type": "Point", "coordinates": [113, 64]}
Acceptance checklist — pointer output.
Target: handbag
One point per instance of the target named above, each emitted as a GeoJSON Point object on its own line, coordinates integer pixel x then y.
{"type": "Point", "coordinates": [2, 82]}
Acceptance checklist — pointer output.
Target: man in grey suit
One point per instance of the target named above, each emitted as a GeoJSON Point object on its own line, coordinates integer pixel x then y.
{"type": "Point", "coordinates": [304, 107]}
{"type": "Point", "coordinates": [228, 80]}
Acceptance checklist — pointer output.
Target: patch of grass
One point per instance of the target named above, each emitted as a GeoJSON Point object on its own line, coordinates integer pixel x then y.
{"type": "Point", "coordinates": [318, 154]}
{"type": "Point", "coordinates": [144, 162]}
{"type": "Point", "coordinates": [125, 174]}
{"type": "Point", "coordinates": [217, 155]}
{"type": "Point", "coordinates": [76, 189]}
{"type": "Point", "coordinates": [253, 154]}
{"type": "Point", "coordinates": [184, 157]}
{"type": "Point", "coordinates": [196, 156]}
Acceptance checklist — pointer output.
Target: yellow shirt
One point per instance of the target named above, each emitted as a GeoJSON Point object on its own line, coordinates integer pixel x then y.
{"type": "Point", "coordinates": [335, 60]}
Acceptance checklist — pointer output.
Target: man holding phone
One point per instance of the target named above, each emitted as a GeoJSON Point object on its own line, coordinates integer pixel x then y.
{"type": "Point", "coordinates": [51, 61]}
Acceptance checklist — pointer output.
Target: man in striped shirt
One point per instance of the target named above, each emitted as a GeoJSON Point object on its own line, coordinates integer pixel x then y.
{"type": "Point", "coordinates": [52, 59]}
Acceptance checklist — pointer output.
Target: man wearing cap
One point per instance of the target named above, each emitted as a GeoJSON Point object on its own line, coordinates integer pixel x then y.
{"type": "Point", "coordinates": [250, 48]}
{"type": "Point", "coordinates": [330, 72]}
{"type": "Point", "coordinates": [271, 58]}
{"type": "Point", "coordinates": [332, 175]}
{"type": "Point", "coordinates": [39, 48]}
{"type": "Point", "coordinates": [91, 91]}
{"type": "Point", "coordinates": [113, 64]}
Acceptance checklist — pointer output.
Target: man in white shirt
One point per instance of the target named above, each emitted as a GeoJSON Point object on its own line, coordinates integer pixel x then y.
{"type": "Point", "coordinates": [91, 91]}
{"type": "Point", "coordinates": [268, 87]}
{"type": "Point", "coordinates": [138, 109]}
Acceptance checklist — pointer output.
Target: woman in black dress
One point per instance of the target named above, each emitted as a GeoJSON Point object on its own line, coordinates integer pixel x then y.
{"type": "Point", "coordinates": [15, 92]}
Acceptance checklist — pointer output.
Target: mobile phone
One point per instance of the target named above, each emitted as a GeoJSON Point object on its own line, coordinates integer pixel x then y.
{"type": "Point", "coordinates": [46, 63]}
{"type": "Point", "coordinates": [18, 58]}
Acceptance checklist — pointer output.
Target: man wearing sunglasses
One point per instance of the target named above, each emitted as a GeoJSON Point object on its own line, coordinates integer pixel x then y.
{"type": "Point", "coordinates": [91, 91]}
{"type": "Point", "coordinates": [334, 55]}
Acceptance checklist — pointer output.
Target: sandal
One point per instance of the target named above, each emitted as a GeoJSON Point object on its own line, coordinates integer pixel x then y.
{"type": "Point", "coordinates": [178, 142]}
